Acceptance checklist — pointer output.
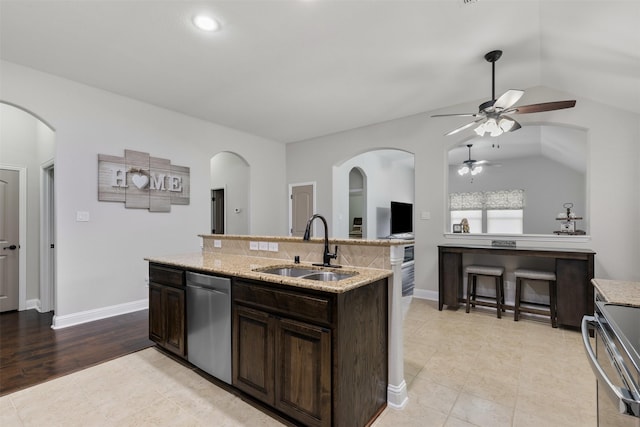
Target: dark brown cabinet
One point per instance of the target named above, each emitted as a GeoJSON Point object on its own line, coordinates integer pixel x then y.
{"type": "Point", "coordinates": [320, 358]}
{"type": "Point", "coordinates": [283, 362]}
{"type": "Point", "coordinates": [253, 353]}
{"type": "Point", "coordinates": [167, 308]}
{"type": "Point", "coordinates": [303, 371]}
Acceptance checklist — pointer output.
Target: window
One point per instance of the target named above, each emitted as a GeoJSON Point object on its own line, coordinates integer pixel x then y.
{"type": "Point", "coordinates": [504, 221]}
{"type": "Point", "coordinates": [474, 218]}
{"type": "Point", "coordinates": [495, 212]}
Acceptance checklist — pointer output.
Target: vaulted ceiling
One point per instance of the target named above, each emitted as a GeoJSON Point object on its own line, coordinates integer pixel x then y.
{"type": "Point", "coordinates": [290, 70]}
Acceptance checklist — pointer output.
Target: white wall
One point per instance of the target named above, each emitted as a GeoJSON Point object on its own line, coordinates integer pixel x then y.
{"type": "Point", "coordinates": [100, 263]}
{"type": "Point", "coordinates": [612, 177]}
{"type": "Point", "coordinates": [547, 185]}
{"type": "Point", "coordinates": [26, 142]}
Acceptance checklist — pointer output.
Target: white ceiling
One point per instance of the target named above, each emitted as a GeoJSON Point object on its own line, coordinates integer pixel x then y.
{"type": "Point", "coordinates": [290, 70]}
{"type": "Point", "coordinates": [563, 144]}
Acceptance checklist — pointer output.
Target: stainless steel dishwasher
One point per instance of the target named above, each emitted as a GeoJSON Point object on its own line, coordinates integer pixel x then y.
{"type": "Point", "coordinates": [209, 324]}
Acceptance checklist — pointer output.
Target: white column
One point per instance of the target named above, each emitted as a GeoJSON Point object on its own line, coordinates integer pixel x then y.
{"type": "Point", "coordinates": [397, 388]}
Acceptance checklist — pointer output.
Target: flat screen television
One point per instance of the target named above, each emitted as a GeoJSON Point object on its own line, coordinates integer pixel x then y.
{"type": "Point", "coordinates": [401, 217]}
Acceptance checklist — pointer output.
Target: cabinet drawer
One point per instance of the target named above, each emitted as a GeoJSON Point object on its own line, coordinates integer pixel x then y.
{"type": "Point", "coordinates": [166, 275]}
{"type": "Point", "coordinates": [278, 301]}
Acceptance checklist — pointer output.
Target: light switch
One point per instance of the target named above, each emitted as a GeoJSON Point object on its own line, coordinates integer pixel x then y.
{"type": "Point", "coordinates": [273, 246]}
{"type": "Point", "coordinates": [82, 216]}
{"type": "Point", "coordinates": [253, 246]}
{"type": "Point", "coordinates": [263, 246]}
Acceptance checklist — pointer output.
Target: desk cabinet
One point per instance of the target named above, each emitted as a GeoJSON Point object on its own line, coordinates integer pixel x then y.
{"type": "Point", "coordinates": [573, 267]}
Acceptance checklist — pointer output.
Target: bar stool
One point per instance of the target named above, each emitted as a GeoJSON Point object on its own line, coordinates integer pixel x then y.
{"type": "Point", "coordinates": [546, 276]}
{"type": "Point", "coordinates": [473, 271]}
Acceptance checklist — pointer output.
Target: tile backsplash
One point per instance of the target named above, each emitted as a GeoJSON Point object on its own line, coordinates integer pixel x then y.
{"type": "Point", "coordinates": [356, 254]}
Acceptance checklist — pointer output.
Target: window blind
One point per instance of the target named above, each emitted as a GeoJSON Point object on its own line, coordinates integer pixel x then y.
{"type": "Point", "coordinates": [503, 199]}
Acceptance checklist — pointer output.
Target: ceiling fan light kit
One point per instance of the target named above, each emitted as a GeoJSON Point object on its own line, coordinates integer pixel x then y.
{"type": "Point", "coordinates": [495, 128]}
{"type": "Point", "coordinates": [474, 170]}
{"type": "Point", "coordinates": [471, 166]}
{"type": "Point", "coordinates": [492, 116]}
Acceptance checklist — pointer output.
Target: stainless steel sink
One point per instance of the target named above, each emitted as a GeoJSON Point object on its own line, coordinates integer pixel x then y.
{"type": "Point", "coordinates": [328, 276]}
{"type": "Point", "coordinates": [289, 271]}
{"type": "Point", "coordinates": [308, 273]}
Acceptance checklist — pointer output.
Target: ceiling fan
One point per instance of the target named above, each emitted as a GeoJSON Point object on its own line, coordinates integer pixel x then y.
{"type": "Point", "coordinates": [493, 116]}
{"type": "Point", "coordinates": [470, 165]}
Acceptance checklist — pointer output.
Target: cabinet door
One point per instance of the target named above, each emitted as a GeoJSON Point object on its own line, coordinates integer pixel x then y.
{"type": "Point", "coordinates": [156, 315]}
{"type": "Point", "coordinates": [572, 291]}
{"type": "Point", "coordinates": [253, 339]}
{"type": "Point", "coordinates": [303, 372]}
{"type": "Point", "coordinates": [175, 320]}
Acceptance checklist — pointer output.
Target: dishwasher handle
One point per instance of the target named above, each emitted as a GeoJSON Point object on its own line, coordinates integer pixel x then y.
{"type": "Point", "coordinates": [224, 292]}
{"type": "Point", "coordinates": [627, 404]}
{"type": "Point", "coordinates": [205, 281]}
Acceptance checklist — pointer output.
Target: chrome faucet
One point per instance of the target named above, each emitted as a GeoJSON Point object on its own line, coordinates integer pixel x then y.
{"type": "Point", "coordinates": [326, 256]}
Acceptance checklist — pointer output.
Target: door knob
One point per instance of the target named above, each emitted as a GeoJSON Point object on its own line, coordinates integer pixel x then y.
{"type": "Point", "coordinates": [12, 247]}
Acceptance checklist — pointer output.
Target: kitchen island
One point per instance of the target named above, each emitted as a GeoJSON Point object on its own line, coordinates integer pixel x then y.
{"type": "Point", "coordinates": [617, 291]}
{"type": "Point", "coordinates": [315, 352]}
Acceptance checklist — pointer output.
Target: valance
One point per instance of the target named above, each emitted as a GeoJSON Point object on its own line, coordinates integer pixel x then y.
{"type": "Point", "coordinates": [503, 199]}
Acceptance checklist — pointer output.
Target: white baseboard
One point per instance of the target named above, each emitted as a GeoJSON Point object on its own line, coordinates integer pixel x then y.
{"type": "Point", "coordinates": [425, 294]}
{"type": "Point", "coordinates": [397, 395]}
{"type": "Point", "coordinates": [98, 313]}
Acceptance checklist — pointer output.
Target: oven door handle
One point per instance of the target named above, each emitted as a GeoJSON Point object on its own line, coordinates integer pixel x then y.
{"type": "Point", "coordinates": [626, 403]}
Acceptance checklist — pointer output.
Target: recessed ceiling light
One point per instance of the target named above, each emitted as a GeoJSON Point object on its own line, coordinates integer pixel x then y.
{"type": "Point", "coordinates": [206, 23]}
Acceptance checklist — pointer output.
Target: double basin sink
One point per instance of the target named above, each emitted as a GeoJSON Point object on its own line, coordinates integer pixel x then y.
{"type": "Point", "coordinates": [308, 273]}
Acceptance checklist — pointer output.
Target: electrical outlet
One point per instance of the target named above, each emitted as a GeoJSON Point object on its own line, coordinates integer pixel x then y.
{"type": "Point", "coordinates": [253, 246]}
{"type": "Point", "coordinates": [273, 246]}
{"type": "Point", "coordinates": [217, 243]}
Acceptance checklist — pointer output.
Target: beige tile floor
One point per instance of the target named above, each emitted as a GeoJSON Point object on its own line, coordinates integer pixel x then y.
{"type": "Point", "coordinates": [461, 370]}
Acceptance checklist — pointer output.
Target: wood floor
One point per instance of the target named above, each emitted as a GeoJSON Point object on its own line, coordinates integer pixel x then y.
{"type": "Point", "coordinates": [31, 352]}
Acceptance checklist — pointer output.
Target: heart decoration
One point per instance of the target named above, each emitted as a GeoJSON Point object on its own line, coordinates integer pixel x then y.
{"type": "Point", "coordinates": [140, 181]}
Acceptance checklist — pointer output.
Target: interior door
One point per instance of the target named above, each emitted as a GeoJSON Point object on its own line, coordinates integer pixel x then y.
{"type": "Point", "coordinates": [9, 238]}
{"type": "Point", "coordinates": [301, 208]}
{"type": "Point", "coordinates": [217, 211]}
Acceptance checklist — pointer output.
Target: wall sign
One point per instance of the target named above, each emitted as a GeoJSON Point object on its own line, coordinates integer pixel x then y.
{"type": "Point", "coordinates": [142, 182]}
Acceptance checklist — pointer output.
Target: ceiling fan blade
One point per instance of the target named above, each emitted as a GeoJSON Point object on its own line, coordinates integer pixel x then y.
{"type": "Point", "coordinates": [508, 98]}
{"type": "Point", "coordinates": [544, 106]}
{"type": "Point", "coordinates": [456, 115]}
{"type": "Point", "coordinates": [461, 128]}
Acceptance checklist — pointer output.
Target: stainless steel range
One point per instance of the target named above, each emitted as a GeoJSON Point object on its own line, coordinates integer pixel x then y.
{"type": "Point", "coordinates": [615, 362]}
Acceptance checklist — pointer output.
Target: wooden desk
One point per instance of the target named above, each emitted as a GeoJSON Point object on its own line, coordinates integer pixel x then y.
{"type": "Point", "coordinates": [574, 271]}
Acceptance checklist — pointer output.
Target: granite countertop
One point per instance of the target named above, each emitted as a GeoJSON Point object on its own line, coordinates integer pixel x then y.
{"type": "Point", "coordinates": [244, 266]}
{"type": "Point", "coordinates": [618, 291]}
{"type": "Point", "coordinates": [332, 240]}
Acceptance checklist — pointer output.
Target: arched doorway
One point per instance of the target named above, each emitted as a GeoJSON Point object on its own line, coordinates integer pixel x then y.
{"type": "Point", "coordinates": [229, 185]}
{"type": "Point", "coordinates": [28, 150]}
{"type": "Point", "coordinates": [389, 175]}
